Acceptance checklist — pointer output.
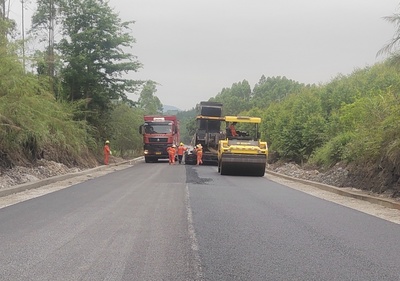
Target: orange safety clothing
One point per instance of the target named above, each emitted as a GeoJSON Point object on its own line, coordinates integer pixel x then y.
{"type": "Point", "coordinates": [106, 153]}
{"type": "Point", "coordinates": [233, 130]}
{"type": "Point", "coordinates": [181, 149]}
{"type": "Point", "coordinates": [199, 153]}
{"type": "Point", "coordinates": [171, 154]}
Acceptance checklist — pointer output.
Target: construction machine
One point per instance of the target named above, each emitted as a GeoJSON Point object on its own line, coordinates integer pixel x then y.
{"type": "Point", "coordinates": [208, 132]}
{"type": "Point", "coordinates": [243, 153]}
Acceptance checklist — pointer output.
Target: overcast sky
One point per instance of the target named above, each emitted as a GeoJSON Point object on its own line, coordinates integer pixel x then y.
{"type": "Point", "coordinates": [193, 49]}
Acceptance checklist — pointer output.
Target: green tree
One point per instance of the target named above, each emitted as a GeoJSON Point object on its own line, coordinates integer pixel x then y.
{"type": "Point", "coordinates": [394, 42]}
{"type": "Point", "coordinates": [45, 22]}
{"type": "Point", "coordinates": [92, 48]}
{"type": "Point", "coordinates": [148, 101]}
{"type": "Point", "coordinates": [391, 48]}
{"type": "Point", "coordinates": [295, 127]}
{"type": "Point", "coordinates": [46, 17]}
{"type": "Point", "coordinates": [187, 123]}
{"type": "Point", "coordinates": [123, 133]}
{"type": "Point", "coordinates": [271, 89]}
{"type": "Point", "coordinates": [51, 76]}
{"type": "Point", "coordinates": [235, 99]}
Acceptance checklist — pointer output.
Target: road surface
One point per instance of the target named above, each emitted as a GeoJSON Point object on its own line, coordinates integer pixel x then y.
{"type": "Point", "coordinates": [175, 222]}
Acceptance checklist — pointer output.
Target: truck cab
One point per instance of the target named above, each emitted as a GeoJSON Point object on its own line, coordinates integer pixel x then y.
{"type": "Point", "coordinates": [159, 132]}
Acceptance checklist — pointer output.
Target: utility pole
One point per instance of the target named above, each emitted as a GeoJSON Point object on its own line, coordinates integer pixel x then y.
{"type": "Point", "coordinates": [23, 34]}
{"type": "Point", "coordinates": [3, 9]}
{"type": "Point", "coordinates": [3, 31]}
{"type": "Point", "coordinates": [51, 45]}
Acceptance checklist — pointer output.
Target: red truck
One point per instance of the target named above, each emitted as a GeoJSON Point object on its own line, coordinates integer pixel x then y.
{"type": "Point", "coordinates": [159, 132]}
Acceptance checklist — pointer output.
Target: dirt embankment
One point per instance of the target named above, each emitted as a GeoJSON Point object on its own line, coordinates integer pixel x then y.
{"type": "Point", "coordinates": [340, 175]}
{"type": "Point", "coordinates": [40, 170]}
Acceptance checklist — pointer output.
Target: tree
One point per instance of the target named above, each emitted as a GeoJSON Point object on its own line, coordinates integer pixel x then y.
{"type": "Point", "coordinates": [148, 101]}
{"type": "Point", "coordinates": [235, 99]}
{"type": "Point", "coordinates": [389, 47]}
{"type": "Point", "coordinates": [45, 19]}
{"type": "Point", "coordinates": [92, 48]}
{"type": "Point", "coordinates": [124, 123]}
{"type": "Point", "coordinates": [295, 127]}
{"type": "Point", "coordinates": [271, 89]}
{"type": "Point", "coordinates": [187, 124]}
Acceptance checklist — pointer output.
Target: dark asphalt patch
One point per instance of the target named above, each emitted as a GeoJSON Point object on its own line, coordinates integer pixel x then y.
{"type": "Point", "coordinates": [193, 177]}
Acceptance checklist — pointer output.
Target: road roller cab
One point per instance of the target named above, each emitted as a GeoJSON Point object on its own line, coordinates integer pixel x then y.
{"type": "Point", "coordinates": [242, 152]}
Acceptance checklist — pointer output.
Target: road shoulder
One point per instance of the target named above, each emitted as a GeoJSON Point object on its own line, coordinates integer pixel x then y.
{"type": "Point", "coordinates": [379, 207]}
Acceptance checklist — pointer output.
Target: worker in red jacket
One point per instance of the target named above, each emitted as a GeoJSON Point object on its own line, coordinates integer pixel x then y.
{"type": "Point", "coordinates": [171, 154]}
{"type": "Point", "coordinates": [181, 151]}
{"type": "Point", "coordinates": [233, 129]}
{"type": "Point", "coordinates": [107, 152]}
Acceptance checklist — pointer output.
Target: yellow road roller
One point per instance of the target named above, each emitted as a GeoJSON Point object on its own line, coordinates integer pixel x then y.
{"type": "Point", "coordinates": [242, 152]}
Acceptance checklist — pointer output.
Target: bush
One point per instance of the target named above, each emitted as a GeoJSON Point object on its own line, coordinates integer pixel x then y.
{"type": "Point", "coordinates": [33, 125]}
{"type": "Point", "coordinates": [333, 151]}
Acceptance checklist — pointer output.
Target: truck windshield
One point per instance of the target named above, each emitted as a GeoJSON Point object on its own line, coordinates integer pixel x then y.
{"type": "Point", "coordinates": [158, 128]}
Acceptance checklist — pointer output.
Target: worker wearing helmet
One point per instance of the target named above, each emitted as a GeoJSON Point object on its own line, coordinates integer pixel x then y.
{"type": "Point", "coordinates": [171, 154]}
{"type": "Point", "coordinates": [107, 152]}
{"type": "Point", "coordinates": [199, 153]}
{"type": "Point", "coordinates": [181, 151]}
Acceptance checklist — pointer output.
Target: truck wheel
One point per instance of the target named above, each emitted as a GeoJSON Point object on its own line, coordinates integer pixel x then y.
{"type": "Point", "coordinates": [219, 167]}
{"type": "Point", "coordinates": [146, 159]}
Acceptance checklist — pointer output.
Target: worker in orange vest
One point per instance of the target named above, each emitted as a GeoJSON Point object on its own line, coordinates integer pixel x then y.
{"type": "Point", "coordinates": [199, 153]}
{"type": "Point", "coordinates": [171, 154]}
{"type": "Point", "coordinates": [181, 151]}
{"type": "Point", "coordinates": [107, 152]}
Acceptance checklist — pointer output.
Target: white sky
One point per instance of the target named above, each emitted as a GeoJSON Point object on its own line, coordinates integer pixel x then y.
{"type": "Point", "coordinates": [193, 49]}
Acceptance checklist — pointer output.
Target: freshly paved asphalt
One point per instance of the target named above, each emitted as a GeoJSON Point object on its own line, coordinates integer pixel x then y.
{"type": "Point", "coordinates": [163, 222]}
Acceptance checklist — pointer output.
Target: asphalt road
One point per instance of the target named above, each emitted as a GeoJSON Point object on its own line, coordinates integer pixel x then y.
{"type": "Point", "coordinates": [163, 222]}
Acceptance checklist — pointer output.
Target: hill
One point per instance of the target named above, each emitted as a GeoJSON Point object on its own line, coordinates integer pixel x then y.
{"type": "Point", "coordinates": [169, 108]}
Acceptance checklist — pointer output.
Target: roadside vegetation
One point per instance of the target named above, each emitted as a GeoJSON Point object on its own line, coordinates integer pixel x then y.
{"type": "Point", "coordinates": [353, 120]}
{"type": "Point", "coordinates": [62, 102]}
